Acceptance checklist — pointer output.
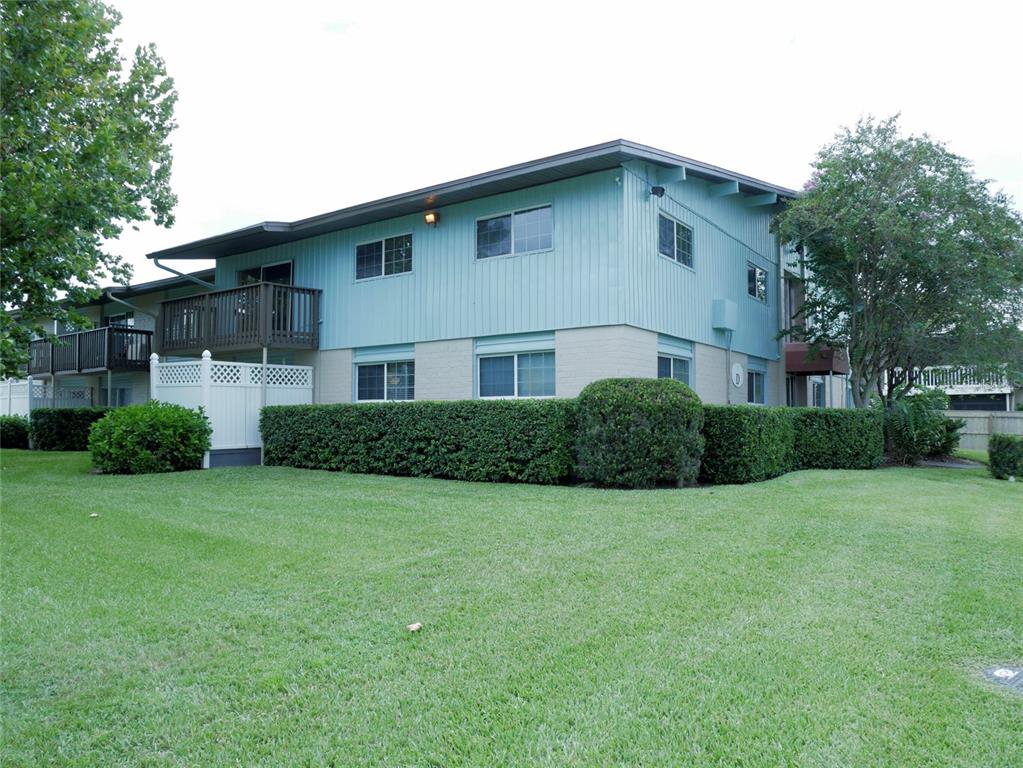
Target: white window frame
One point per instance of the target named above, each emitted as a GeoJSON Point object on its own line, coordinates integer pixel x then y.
{"type": "Point", "coordinates": [515, 375]}
{"type": "Point", "coordinates": [384, 363]}
{"type": "Point", "coordinates": [767, 275]}
{"type": "Point", "coordinates": [475, 232]}
{"type": "Point", "coordinates": [383, 261]}
{"type": "Point", "coordinates": [674, 241]}
{"type": "Point", "coordinates": [689, 379]}
{"type": "Point", "coordinates": [818, 381]}
{"type": "Point", "coordinates": [750, 372]}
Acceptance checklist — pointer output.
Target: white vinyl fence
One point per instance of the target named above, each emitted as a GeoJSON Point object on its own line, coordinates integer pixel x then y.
{"type": "Point", "coordinates": [231, 394]}
{"type": "Point", "coordinates": [15, 401]}
{"type": "Point", "coordinates": [980, 425]}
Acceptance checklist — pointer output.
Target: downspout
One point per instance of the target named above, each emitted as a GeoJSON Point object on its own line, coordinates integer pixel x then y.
{"type": "Point", "coordinates": [192, 278]}
{"type": "Point", "coordinates": [728, 369]}
{"type": "Point", "coordinates": [110, 296]}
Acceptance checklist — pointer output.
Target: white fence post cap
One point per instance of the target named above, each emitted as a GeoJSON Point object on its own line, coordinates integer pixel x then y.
{"type": "Point", "coordinates": [206, 354]}
{"type": "Point", "coordinates": [154, 358]}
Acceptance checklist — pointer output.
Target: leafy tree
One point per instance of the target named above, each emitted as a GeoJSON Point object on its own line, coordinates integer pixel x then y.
{"type": "Point", "coordinates": [912, 261]}
{"type": "Point", "coordinates": [84, 152]}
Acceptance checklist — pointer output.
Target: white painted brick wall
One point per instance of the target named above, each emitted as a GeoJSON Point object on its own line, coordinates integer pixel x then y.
{"type": "Point", "coordinates": [333, 380]}
{"type": "Point", "coordinates": [444, 370]}
{"type": "Point", "coordinates": [584, 355]}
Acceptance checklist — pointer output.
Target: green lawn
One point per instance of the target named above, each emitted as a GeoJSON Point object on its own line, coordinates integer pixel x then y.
{"type": "Point", "coordinates": [972, 455]}
{"type": "Point", "coordinates": [257, 617]}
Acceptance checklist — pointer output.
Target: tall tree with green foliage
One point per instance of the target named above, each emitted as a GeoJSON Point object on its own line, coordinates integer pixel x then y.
{"type": "Point", "coordinates": [84, 152]}
{"type": "Point", "coordinates": [912, 260]}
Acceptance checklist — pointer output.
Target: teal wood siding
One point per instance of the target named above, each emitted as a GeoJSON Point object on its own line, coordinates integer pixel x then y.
{"type": "Point", "coordinates": [666, 297]}
{"type": "Point", "coordinates": [452, 294]}
{"type": "Point", "coordinates": [604, 269]}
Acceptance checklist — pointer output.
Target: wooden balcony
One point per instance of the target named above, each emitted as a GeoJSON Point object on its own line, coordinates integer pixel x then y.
{"type": "Point", "coordinates": [799, 360]}
{"type": "Point", "coordinates": [251, 317]}
{"type": "Point", "coordinates": [114, 348]}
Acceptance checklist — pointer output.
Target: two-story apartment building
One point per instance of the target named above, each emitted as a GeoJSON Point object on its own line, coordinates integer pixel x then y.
{"type": "Point", "coordinates": [527, 281]}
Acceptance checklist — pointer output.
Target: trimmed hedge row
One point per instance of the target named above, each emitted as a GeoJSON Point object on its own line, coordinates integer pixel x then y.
{"type": "Point", "coordinates": [1005, 456]}
{"type": "Point", "coordinates": [64, 429]}
{"type": "Point", "coordinates": [745, 443]}
{"type": "Point", "coordinates": [836, 438]}
{"type": "Point", "coordinates": [639, 433]}
{"type": "Point", "coordinates": [528, 441]}
{"type": "Point", "coordinates": [631, 433]}
{"type": "Point", "coordinates": [13, 432]}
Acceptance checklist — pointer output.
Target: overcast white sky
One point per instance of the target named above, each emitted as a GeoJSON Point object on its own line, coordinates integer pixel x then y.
{"type": "Point", "coordinates": [289, 109]}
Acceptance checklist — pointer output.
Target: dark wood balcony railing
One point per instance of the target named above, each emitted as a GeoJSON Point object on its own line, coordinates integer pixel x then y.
{"type": "Point", "coordinates": [114, 348]}
{"type": "Point", "coordinates": [250, 317]}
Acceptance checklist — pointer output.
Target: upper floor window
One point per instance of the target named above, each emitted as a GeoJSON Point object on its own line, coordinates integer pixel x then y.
{"type": "Point", "coordinates": [386, 381]}
{"type": "Point", "coordinates": [673, 368]}
{"type": "Point", "coordinates": [756, 282]}
{"type": "Point", "coordinates": [267, 273]}
{"type": "Point", "coordinates": [675, 240]}
{"type": "Point", "coordinates": [518, 232]}
{"type": "Point", "coordinates": [756, 387]}
{"type": "Point", "coordinates": [390, 256]}
{"type": "Point", "coordinates": [525, 374]}
{"type": "Point", "coordinates": [123, 320]}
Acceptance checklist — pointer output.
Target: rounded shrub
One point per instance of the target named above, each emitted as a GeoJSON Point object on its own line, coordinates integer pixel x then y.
{"type": "Point", "coordinates": [154, 437]}
{"type": "Point", "coordinates": [13, 432]}
{"type": "Point", "coordinates": [638, 433]}
{"type": "Point", "coordinates": [1005, 456]}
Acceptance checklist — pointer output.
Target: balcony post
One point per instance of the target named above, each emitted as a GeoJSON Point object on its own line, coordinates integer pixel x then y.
{"type": "Point", "coordinates": [206, 327]}
{"type": "Point", "coordinates": [264, 314]}
{"type": "Point", "coordinates": [205, 380]}
{"type": "Point", "coordinates": [154, 363]}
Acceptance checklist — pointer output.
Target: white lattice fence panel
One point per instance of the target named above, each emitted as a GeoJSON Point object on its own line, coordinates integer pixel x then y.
{"type": "Point", "coordinates": [178, 374]}
{"type": "Point", "coordinates": [289, 376]}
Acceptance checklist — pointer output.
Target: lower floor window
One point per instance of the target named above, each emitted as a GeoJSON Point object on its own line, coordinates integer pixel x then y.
{"type": "Point", "coordinates": [819, 400]}
{"type": "Point", "coordinates": [121, 396]}
{"type": "Point", "coordinates": [387, 381]}
{"type": "Point", "coordinates": [673, 368]}
{"type": "Point", "coordinates": [526, 374]}
{"type": "Point", "coordinates": [755, 387]}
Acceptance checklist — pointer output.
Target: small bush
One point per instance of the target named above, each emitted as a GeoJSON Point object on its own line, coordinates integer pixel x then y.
{"type": "Point", "coordinates": [63, 429]}
{"type": "Point", "coordinates": [915, 426]}
{"type": "Point", "coordinates": [745, 443]}
{"type": "Point", "coordinates": [527, 441]}
{"type": "Point", "coordinates": [13, 432]}
{"type": "Point", "coordinates": [638, 433]}
{"type": "Point", "coordinates": [154, 437]}
{"type": "Point", "coordinates": [1005, 456]}
{"type": "Point", "coordinates": [836, 438]}
{"type": "Point", "coordinates": [950, 436]}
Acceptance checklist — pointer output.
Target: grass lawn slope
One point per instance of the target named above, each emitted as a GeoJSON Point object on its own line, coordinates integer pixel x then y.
{"type": "Point", "coordinates": [257, 617]}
